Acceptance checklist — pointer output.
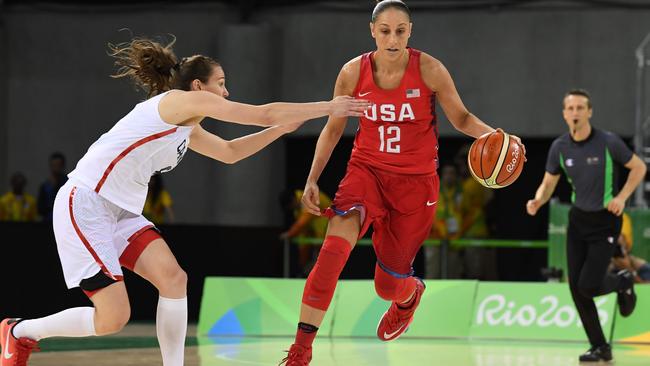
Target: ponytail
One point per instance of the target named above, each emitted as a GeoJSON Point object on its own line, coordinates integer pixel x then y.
{"type": "Point", "coordinates": [150, 64]}
{"type": "Point", "coordinates": [156, 69]}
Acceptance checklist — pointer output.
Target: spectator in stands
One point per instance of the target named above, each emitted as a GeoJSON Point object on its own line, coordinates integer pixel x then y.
{"type": "Point", "coordinates": [49, 188]}
{"type": "Point", "coordinates": [158, 206]}
{"type": "Point", "coordinates": [479, 263]}
{"type": "Point", "coordinates": [17, 205]}
{"type": "Point", "coordinates": [623, 259]}
{"type": "Point", "coordinates": [446, 224]}
{"type": "Point", "coordinates": [306, 225]}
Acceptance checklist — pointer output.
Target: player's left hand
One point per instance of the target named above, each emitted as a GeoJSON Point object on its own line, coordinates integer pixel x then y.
{"type": "Point", "coordinates": [616, 206]}
{"type": "Point", "coordinates": [516, 138]}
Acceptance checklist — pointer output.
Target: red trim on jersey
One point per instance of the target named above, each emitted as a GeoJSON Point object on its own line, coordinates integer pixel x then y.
{"type": "Point", "coordinates": [87, 244]}
{"type": "Point", "coordinates": [138, 242]}
{"type": "Point", "coordinates": [138, 233]}
{"type": "Point", "coordinates": [128, 150]}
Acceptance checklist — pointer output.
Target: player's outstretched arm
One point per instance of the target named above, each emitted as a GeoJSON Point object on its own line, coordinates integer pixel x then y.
{"type": "Point", "coordinates": [180, 106]}
{"type": "Point", "coordinates": [543, 194]}
{"type": "Point", "coordinates": [230, 152]}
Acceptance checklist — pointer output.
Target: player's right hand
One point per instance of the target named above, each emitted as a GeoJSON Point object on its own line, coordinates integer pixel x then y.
{"type": "Point", "coordinates": [311, 198]}
{"type": "Point", "coordinates": [516, 138]}
{"type": "Point", "coordinates": [346, 106]}
{"type": "Point", "coordinates": [532, 206]}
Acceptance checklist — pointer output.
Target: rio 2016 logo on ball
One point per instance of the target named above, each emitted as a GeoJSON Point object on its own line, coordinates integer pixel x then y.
{"type": "Point", "coordinates": [495, 160]}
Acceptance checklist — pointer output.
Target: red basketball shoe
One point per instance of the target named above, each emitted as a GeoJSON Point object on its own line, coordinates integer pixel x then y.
{"type": "Point", "coordinates": [15, 352]}
{"type": "Point", "coordinates": [396, 320]}
{"type": "Point", "coordinates": [298, 356]}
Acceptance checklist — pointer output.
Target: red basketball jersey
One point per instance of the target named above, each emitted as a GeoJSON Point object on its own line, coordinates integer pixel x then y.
{"type": "Point", "coordinates": [399, 133]}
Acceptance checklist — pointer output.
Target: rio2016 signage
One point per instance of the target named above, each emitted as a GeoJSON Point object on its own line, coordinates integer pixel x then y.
{"type": "Point", "coordinates": [497, 310]}
{"type": "Point", "coordinates": [532, 311]}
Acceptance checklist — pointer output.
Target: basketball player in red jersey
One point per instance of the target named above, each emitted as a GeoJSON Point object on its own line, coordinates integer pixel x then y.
{"type": "Point", "coordinates": [391, 179]}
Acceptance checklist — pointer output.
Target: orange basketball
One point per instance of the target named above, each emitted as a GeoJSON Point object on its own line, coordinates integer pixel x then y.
{"type": "Point", "coordinates": [495, 159]}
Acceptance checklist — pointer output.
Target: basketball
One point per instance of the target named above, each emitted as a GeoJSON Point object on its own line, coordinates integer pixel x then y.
{"type": "Point", "coordinates": [495, 159]}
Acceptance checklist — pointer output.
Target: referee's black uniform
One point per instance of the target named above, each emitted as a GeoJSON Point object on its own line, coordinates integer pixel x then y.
{"type": "Point", "coordinates": [591, 167]}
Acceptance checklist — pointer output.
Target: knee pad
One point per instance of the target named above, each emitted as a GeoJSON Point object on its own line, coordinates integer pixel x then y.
{"type": "Point", "coordinates": [321, 283]}
{"type": "Point", "coordinates": [393, 287]}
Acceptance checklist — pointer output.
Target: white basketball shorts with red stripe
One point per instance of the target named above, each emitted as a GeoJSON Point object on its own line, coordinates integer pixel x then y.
{"type": "Point", "coordinates": [92, 233]}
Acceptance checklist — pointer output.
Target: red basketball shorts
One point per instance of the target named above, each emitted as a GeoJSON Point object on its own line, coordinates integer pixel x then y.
{"type": "Point", "coordinates": [401, 209]}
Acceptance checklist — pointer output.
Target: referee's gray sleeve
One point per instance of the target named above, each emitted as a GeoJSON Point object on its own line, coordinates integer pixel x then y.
{"type": "Point", "coordinates": [619, 150]}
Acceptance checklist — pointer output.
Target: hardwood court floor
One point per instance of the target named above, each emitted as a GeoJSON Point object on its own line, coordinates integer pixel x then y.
{"type": "Point", "coordinates": [137, 346]}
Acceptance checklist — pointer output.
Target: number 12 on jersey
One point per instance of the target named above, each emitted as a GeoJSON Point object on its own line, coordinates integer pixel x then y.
{"type": "Point", "coordinates": [389, 139]}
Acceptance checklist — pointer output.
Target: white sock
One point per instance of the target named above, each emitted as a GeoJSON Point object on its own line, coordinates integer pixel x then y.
{"type": "Point", "coordinates": [171, 327]}
{"type": "Point", "coordinates": [75, 322]}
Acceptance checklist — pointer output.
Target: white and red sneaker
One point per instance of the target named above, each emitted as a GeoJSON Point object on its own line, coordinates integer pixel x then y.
{"type": "Point", "coordinates": [298, 356]}
{"type": "Point", "coordinates": [15, 352]}
{"type": "Point", "coordinates": [396, 320]}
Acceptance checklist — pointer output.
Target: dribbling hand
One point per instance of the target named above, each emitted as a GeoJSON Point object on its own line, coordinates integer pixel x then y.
{"type": "Point", "coordinates": [346, 106]}
{"type": "Point", "coordinates": [532, 206]}
{"type": "Point", "coordinates": [516, 138]}
{"type": "Point", "coordinates": [310, 198]}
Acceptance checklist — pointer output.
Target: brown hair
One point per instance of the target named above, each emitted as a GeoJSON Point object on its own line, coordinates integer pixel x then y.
{"type": "Point", "coordinates": [580, 92]}
{"type": "Point", "coordinates": [383, 5]}
{"type": "Point", "coordinates": [155, 68]}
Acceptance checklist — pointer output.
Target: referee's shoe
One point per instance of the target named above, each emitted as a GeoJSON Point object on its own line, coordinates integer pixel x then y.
{"type": "Point", "coordinates": [597, 354]}
{"type": "Point", "coordinates": [626, 296]}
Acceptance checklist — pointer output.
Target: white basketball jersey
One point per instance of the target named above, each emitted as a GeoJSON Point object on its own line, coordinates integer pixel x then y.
{"type": "Point", "coordinates": [119, 165]}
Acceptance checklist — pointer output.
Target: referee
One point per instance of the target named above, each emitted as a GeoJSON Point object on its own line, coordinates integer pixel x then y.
{"type": "Point", "coordinates": [589, 158]}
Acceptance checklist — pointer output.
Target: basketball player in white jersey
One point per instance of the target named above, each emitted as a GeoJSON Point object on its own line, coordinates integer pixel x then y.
{"type": "Point", "coordinates": [98, 222]}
